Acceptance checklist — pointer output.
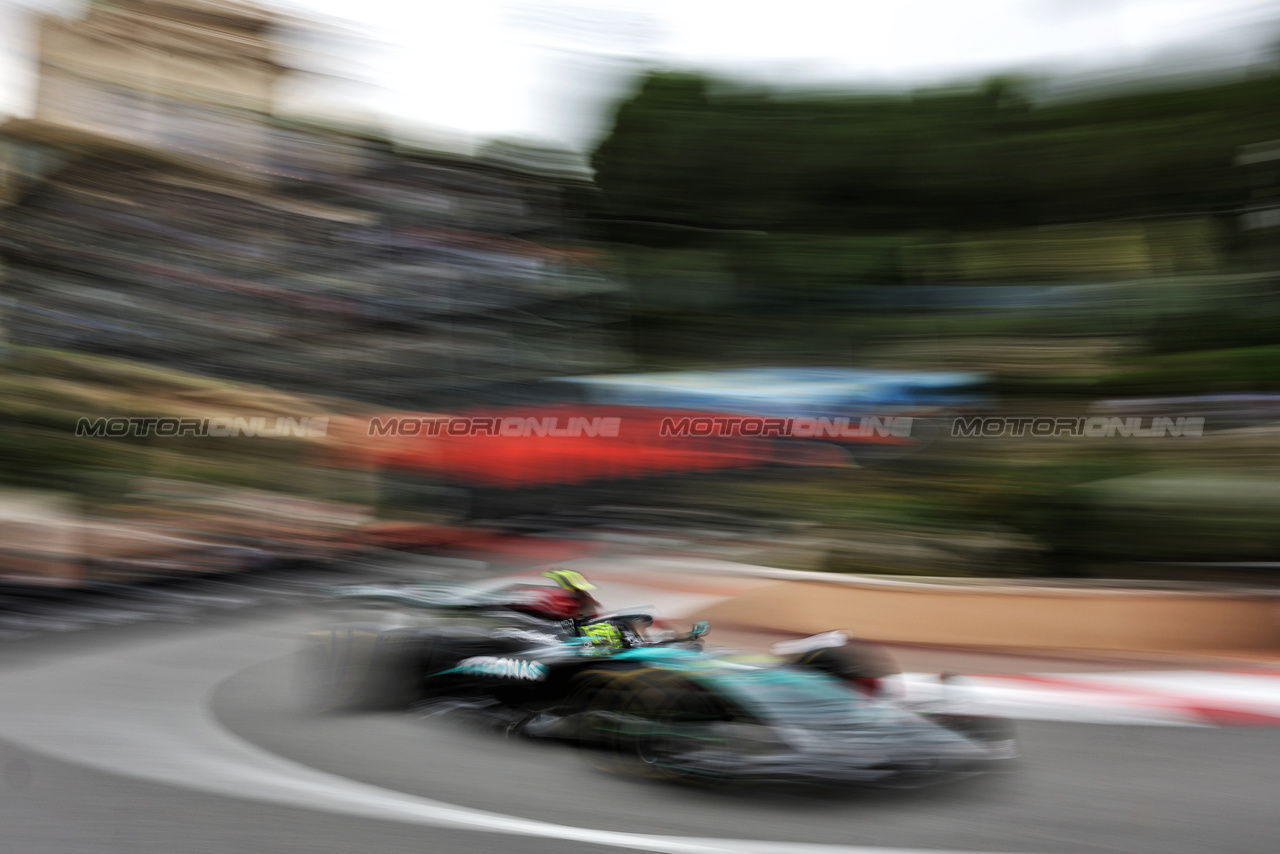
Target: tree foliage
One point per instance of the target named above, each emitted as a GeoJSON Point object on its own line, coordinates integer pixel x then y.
{"type": "Point", "coordinates": [689, 155]}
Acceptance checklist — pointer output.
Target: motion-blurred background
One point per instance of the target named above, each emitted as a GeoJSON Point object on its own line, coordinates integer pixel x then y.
{"type": "Point", "coordinates": [214, 210]}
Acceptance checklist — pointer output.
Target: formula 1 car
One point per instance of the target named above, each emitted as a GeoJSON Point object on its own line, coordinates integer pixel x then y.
{"type": "Point", "coordinates": [646, 701]}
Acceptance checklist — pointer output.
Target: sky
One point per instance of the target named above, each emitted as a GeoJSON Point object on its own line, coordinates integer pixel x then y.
{"type": "Point", "coordinates": [454, 71]}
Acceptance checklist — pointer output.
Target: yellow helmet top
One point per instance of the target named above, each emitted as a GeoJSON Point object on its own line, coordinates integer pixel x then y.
{"type": "Point", "coordinates": [569, 580]}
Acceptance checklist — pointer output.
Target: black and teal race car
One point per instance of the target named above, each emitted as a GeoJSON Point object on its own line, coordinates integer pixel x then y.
{"type": "Point", "coordinates": [646, 701]}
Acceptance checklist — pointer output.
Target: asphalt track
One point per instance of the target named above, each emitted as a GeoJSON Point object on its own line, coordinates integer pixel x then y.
{"type": "Point", "coordinates": [190, 739]}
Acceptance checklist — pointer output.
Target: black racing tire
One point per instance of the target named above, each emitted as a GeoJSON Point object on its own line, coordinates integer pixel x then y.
{"type": "Point", "coordinates": [361, 669]}
{"type": "Point", "coordinates": [637, 721]}
{"type": "Point", "coordinates": [855, 661]}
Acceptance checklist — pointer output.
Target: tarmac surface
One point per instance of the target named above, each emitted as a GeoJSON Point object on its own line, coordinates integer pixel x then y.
{"type": "Point", "coordinates": [158, 738]}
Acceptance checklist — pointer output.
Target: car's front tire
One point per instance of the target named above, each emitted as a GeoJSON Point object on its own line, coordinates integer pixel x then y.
{"type": "Point", "coordinates": [858, 663]}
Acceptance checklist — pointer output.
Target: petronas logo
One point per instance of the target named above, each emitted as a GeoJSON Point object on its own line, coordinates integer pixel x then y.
{"type": "Point", "coordinates": [507, 668]}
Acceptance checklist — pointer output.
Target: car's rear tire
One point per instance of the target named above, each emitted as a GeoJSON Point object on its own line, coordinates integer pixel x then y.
{"type": "Point", "coordinates": [360, 670]}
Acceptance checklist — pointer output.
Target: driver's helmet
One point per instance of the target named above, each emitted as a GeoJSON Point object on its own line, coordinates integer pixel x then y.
{"type": "Point", "coordinates": [577, 590]}
{"type": "Point", "coordinates": [570, 600]}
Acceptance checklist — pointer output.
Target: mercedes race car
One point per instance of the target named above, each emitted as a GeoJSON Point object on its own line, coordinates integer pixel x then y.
{"type": "Point", "coordinates": [644, 699]}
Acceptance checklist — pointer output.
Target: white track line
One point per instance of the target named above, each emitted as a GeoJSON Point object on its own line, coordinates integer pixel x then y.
{"type": "Point", "coordinates": [142, 713]}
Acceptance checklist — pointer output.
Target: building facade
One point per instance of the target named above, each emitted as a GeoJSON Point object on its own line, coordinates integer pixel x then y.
{"type": "Point", "coordinates": [156, 209]}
